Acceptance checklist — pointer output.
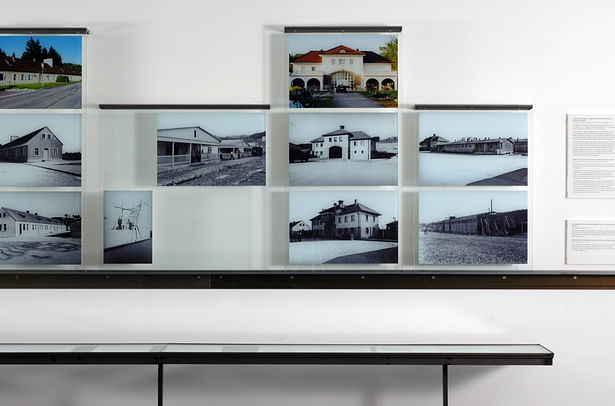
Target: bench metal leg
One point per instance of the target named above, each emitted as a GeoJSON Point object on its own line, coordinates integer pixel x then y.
{"type": "Point", "coordinates": [160, 383]}
{"type": "Point", "coordinates": [445, 385]}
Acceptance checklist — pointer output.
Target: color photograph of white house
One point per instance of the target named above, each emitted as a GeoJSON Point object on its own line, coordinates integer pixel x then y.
{"type": "Point", "coordinates": [40, 228]}
{"type": "Point", "coordinates": [342, 227]}
{"type": "Point", "coordinates": [40, 150]}
{"type": "Point", "coordinates": [40, 72]}
{"type": "Point", "coordinates": [342, 149]}
{"type": "Point", "coordinates": [473, 148]}
{"type": "Point", "coordinates": [342, 70]}
{"type": "Point", "coordinates": [211, 149]}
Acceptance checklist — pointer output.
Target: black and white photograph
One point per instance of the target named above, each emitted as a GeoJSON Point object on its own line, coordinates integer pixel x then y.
{"type": "Point", "coordinates": [40, 228]}
{"type": "Point", "coordinates": [342, 149]}
{"type": "Point", "coordinates": [40, 72]}
{"type": "Point", "coordinates": [473, 227]}
{"type": "Point", "coordinates": [343, 227]}
{"type": "Point", "coordinates": [473, 148]}
{"type": "Point", "coordinates": [211, 149]}
{"type": "Point", "coordinates": [127, 227]}
{"type": "Point", "coordinates": [342, 70]}
{"type": "Point", "coordinates": [41, 150]}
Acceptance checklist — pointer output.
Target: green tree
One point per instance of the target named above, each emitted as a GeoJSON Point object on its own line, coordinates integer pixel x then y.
{"type": "Point", "coordinates": [34, 50]}
{"type": "Point", "coordinates": [2, 54]}
{"type": "Point", "coordinates": [53, 54]}
{"type": "Point", "coordinates": [389, 51]}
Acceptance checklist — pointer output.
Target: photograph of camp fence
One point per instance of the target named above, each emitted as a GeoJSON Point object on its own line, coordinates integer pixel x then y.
{"type": "Point", "coordinates": [40, 228]}
{"type": "Point", "coordinates": [347, 149]}
{"type": "Point", "coordinates": [127, 227]}
{"type": "Point", "coordinates": [473, 148]}
{"type": "Point", "coordinates": [40, 150]}
{"type": "Point", "coordinates": [342, 70]}
{"type": "Point", "coordinates": [343, 227]}
{"type": "Point", "coordinates": [40, 72]}
{"type": "Point", "coordinates": [211, 149]}
{"type": "Point", "coordinates": [473, 227]}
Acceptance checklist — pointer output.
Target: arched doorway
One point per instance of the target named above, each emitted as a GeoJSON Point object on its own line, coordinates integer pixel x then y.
{"type": "Point", "coordinates": [313, 84]}
{"type": "Point", "coordinates": [335, 152]}
{"type": "Point", "coordinates": [298, 82]}
{"type": "Point", "coordinates": [388, 84]}
{"type": "Point", "coordinates": [372, 84]}
{"type": "Point", "coordinates": [342, 78]}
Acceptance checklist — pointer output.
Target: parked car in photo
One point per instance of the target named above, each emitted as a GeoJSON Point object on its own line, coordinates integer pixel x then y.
{"type": "Point", "coordinates": [341, 88]}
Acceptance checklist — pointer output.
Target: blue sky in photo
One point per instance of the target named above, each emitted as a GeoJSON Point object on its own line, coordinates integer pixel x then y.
{"type": "Point", "coordinates": [69, 47]}
{"type": "Point", "coordinates": [456, 125]}
{"type": "Point", "coordinates": [220, 124]}
{"type": "Point", "coordinates": [302, 43]}
{"type": "Point", "coordinates": [305, 204]}
{"type": "Point", "coordinates": [48, 204]}
{"type": "Point", "coordinates": [67, 127]}
{"type": "Point", "coordinates": [440, 205]}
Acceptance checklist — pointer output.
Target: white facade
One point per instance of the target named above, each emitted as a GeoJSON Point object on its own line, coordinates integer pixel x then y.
{"type": "Point", "coordinates": [15, 223]}
{"type": "Point", "coordinates": [342, 66]}
{"type": "Point", "coordinates": [300, 226]}
{"type": "Point", "coordinates": [345, 145]}
{"type": "Point", "coordinates": [359, 224]}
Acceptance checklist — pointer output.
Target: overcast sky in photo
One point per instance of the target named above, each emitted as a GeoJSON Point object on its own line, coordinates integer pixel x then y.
{"type": "Point", "coordinates": [305, 204]}
{"type": "Point", "coordinates": [440, 205]}
{"type": "Point", "coordinates": [304, 127]}
{"type": "Point", "coordinates": [456, 125]}
{"type": "Point", "coordinates": [68, 46]}
{"type": "Point", "coordinates": [128, 199]}
{"type": "Point", "coordinates": [220, 124]}
{"type": "Point", "coordinates": [303, 43]}
{"type": "Point", "coordinates": [48, 204]}
{"type": "Point", "coordinates": [67, 127]}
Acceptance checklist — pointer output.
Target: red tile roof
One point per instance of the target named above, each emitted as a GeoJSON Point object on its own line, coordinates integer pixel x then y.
{"type": "Point", "coordinates": [342, 49]}
{"type": "Point", "coordinates": [23, 65]}
{"type": "Point", "coordinates": [315, 56]}
{"type": "Point", "coordinates": [310, 57]}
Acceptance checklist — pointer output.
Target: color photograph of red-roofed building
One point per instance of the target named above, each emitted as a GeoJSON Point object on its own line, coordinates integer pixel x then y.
{"type": "Point", "coordinates": [40, 72]}
{"type": "Point", "coordinates": [342, 70]}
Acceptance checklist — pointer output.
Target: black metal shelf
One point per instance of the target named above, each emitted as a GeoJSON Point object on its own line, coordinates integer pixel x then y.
{"type": "Point", "coordinates": [184, 106]}
{"type": "Point", "coordinates": [340, 29]}
{"type": "Point", "coordinates": [44, 30]}
{"type": "Point", "coordinates": [473, 107]}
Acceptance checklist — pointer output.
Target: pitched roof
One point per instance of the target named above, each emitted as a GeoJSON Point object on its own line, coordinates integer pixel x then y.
{"type": "Point", "coordinates": [234, 143]}
{"type": "Point", "coordinates": [23, 139]}
{"type": "Point", "coordinates": [7, 63]}
{"type": "Point", "coordinates": [473, 141]}
{"type": "Point", "coordinates": [342, 49]}
{"type": "Point", "coordinates": [372, 57]}
{"type": "Point", "coordinates": [356, 207]}
{"type": "Point", "coordinates": [310, 57]}
{"type": "Point", "coordinates": [194, 127]}
{"type": "Point", "coordinates": [355, 135]}
{"type": "Point", "coordinates": [18, 215]}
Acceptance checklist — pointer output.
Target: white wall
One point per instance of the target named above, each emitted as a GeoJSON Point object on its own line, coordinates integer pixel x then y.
{"type": "Point", "coordinates": [552, 54]}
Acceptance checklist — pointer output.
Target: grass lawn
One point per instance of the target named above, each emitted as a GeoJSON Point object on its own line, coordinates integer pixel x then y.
{"type": "Point", "coordinates": [34, 86]}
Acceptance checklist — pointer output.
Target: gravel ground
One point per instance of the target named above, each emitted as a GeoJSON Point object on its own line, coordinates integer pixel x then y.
{"type": "Point", "coordinates": [248, 171]}
{"type": "Point", "coordinates": [441, 249]}
{"type": "Point", "coordinates": [336, 172]}
{"type": "Point", "coordinates": [40, 250]}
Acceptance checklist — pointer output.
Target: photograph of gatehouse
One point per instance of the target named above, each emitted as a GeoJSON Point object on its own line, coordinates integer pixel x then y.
{"type": "Point", "coordinates": [473, 227]}
{"type": "Point", "coordinates": [342, 70]}
{"type": "Point", "coordinates": [211, 149]}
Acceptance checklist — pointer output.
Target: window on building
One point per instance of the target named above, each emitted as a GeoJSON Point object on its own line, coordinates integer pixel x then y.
{"type": "Point", "coordinates": [1, 76]}
{"type": "Point", "coordinates": [194, 133]}
{"type": "Point", "coordinates": [366, 217]}
{"type": "Point", "coordinates": [367, 230]}
{"type": "Point", "coordinates": [332, 61]}
{"type": "Point", "coordinates": [5, 227]}
{"type": "Point", "coordinates": [29, 76]}
{"type": "Point", "coordinates": [354, 143]}
{"type": "Point", "coordinates": [352, 217]}
{"type": "Point", "coordinates": [35, 151]}
{"type": "Point", "coordinates": [329, 139]}
{"type": "Point", "coordinates": [55, 152]}
{"type": "Point", "coordinates": [374, 218]}
{"type": "Point", "coordinates": [342, 61]}
{"type": "Point", "coordinates": [22, 76]}
{"type": "Point", "coordinates": [345, 219]}
{"type": "Point", "coordinates": [339, 219]}
{"type": "Point", "coordinates": [43, 136]}
{"type": "Point", "coordinates": [313, 68]}
{"type": "Point", "coordinates": [362, 151]}
{"type": "Point", "coordinates": [14, 76]}
{"type": "Point", "coordinates": [351, 61]}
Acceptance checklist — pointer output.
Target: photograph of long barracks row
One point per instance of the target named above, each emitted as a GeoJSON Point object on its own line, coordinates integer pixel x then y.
{"type": "Point", "coordinates": [475, 145]}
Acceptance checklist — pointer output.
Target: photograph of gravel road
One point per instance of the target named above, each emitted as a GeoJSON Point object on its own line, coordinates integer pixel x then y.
{"type": "Point", "coordinates": [40, 72]}
{"type": "Point", "coordinates": [473, 227]}
{"type": "Point", "coordinates": [473, 148]}
{"type": "Point", "coordinates": [343, 227]}
{"type": "Point", "coordinates": [211, 149]}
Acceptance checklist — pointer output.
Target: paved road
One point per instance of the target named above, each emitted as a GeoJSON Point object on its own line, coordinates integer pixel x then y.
{"type": "Point", "coordinates": [17, 174]}
{"type": "Point", "coordinates": [136, 253]}
{"type": "Point", "coordinates": [57, 97]}
{"type": "Point", "coordinates": [353, 99]}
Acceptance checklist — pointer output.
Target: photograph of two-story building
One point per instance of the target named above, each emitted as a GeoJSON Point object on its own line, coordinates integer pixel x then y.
{"type": "Point", "coordinates": [40, 72]}
{"type": "Point", "coordinates": [40, 150]}
{"type": "Point", "coordinates": [42, 228]}
{"type": "Point", "coordinates": [211, 149]}
{"type": "Point", "coordinates": [342, 227]}
{"type": "Point", "coordinates": [473, 148]}
{"type": "Point", "coordinates": [342, 70]}
{"type": "Point", "coordinates": [342, 149]}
